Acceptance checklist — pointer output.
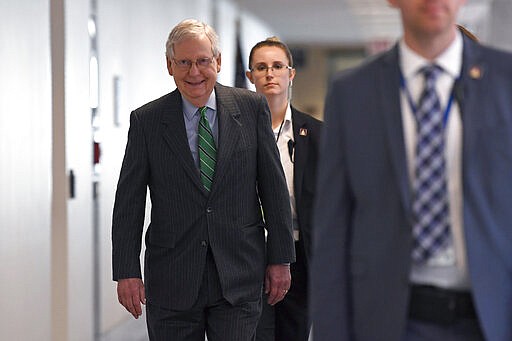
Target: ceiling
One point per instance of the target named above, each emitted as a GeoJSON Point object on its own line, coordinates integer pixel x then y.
{"type": "Point", "coordinates": [342, 21]}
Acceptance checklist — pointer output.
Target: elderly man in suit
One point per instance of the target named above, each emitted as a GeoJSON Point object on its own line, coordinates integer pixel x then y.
{"type": "Point", "coordinates": [413, 237]}
{"type": "Point", "coordinates": [207, 154]}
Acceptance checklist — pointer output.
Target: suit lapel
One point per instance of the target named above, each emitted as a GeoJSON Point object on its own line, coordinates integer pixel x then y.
{"type": "Point", "coordinates": [388, 83]}
{"type": "Point", "coordinates": [301, 137]}
{"type": "Point", "coordinates": [228, 114]}
{"type": "Point", "coordinates": [174, 133]}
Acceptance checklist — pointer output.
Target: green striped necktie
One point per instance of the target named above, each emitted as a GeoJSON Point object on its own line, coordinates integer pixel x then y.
{"type": "Point", "coordinates": [207, 150]}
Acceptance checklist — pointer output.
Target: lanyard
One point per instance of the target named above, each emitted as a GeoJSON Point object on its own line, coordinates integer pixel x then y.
{"type": "Point", "coordinates": [412, 105]}
{"type": "Point", "coordinates": [280, 129]}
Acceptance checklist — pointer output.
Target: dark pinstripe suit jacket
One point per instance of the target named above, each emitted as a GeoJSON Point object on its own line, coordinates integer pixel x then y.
{"type": "Point", "coordinates": [185, 219]}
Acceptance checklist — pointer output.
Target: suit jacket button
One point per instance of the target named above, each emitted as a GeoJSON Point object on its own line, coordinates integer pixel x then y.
{"type": "Point", "coordinates": [209, 210]}
{"type": "Point", "coordinates": [204, 243]}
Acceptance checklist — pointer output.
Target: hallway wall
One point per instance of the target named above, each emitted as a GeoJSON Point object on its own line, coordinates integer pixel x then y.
{"type": "Point", "coordinates": [499, 36]}
{"type": "Point", "coordinates": [79, 274]}
{"type": "Point", "coordinates": [25, 170]}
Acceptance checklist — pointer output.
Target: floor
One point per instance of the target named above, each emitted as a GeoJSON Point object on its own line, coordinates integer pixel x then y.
{"type": "Point", "coordinates": [133, 330]}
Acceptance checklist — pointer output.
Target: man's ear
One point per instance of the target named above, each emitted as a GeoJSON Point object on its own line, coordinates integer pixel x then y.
{"type": "Point", "coordinates": [219, 60]}
{"type": "Point", "coordinates": [169, 65]}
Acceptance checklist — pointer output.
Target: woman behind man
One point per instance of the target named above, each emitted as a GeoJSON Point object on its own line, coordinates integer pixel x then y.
{"type": "Point", "coordinates": [297, 136]}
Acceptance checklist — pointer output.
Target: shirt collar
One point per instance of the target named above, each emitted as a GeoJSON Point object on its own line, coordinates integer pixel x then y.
{"type": "Point", "coordinates": [450, 60]}
{"type": "Point", "coordinates": [189, 110]}
{"type": "Point", "coordinates": [288, 126]}
{"type": "Point", "coordinates": [288, 114]}
{"type": "Point", "coordinates": [287, 119]}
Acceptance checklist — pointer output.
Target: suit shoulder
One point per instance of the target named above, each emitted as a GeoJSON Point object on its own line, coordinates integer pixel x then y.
{"type": "Point", "coordinates": [239, 93]}
{"type": "Point", "coordinates": [497, 59]}
{"type": "Point", "coordinates": [155, 106]}
{"type": "Point", "coordinates": [309, 119]}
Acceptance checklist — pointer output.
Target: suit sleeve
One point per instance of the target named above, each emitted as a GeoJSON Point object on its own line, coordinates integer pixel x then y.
{"type": "Point", "coordinates": [273, 193]}
{"type": "Point", "coordinates": [129, 205]}
{"type": "Point", "coordinates": [329, 287]}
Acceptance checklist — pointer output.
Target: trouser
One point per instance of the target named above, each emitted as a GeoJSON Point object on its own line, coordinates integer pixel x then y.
{"type": "Point", "coordinates": [211, 315]}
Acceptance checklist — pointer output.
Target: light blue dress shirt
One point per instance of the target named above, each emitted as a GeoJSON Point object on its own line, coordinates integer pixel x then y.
{"type": "Point", "coordinates": [191, 117]}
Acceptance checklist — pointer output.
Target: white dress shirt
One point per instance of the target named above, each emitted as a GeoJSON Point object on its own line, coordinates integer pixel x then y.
{"type": "Point", "coordinates": [447, 268]}
{"type": "Point", "coordinates": [283, 134]}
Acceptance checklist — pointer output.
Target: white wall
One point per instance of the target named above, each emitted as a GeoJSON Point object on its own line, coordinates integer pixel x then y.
{"type": "Point", "coordinates": [35, 279]}
{"type": "Point", "coordinates": [78, 153]}
{"type": "Point", "coordinates": [25, 170]}
{"type": "Point", "coordinates": [253, 30]}
{"type": "Point", "coordinates": [499, 24]}
{"type": "Point", "coordinates": [226, 29]}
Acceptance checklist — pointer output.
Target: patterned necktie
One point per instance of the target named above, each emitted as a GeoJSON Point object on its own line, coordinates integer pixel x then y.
{"type": "Point", "coordinates": [431, 229]}
{"type": "Point", "coordinates": [207, 150]}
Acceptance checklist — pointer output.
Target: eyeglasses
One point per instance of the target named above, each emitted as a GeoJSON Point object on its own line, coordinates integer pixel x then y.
{"type": "Point", "coordinates": [277, 68]}
{"type": "Point", "coordinates": [186, 64]}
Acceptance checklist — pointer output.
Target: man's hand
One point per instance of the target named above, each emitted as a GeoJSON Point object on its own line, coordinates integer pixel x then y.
{"type": "Point", "coordinates": [130, 293]}
{"type": "Point", "coordinates": [277, 282]}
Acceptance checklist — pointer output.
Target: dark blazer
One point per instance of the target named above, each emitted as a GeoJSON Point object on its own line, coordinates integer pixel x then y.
{"type": "Point", "coordinates": [362, 252]}
{"type": "Point", "coordinates": [185, 219]}
{"type": "Point", "coordinates": [289, 319]}
{"type": "Point", "coordinates": [306, 133]}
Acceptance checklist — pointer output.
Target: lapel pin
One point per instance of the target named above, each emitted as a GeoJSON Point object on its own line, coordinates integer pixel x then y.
{"type": "Point", "coordinates": [303, 132]}
{"type": "Point", "coordinates": [475, 72]}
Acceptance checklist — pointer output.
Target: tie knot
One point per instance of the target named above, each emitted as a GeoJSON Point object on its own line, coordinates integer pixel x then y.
{"type": "Point", "coordinates": [202, 110]}
{"type": "Point", "coordinates": [430, 72]}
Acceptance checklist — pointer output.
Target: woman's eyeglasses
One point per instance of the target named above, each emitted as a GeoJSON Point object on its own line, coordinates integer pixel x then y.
{"type": "Point", "coordinates": [277, 68]}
